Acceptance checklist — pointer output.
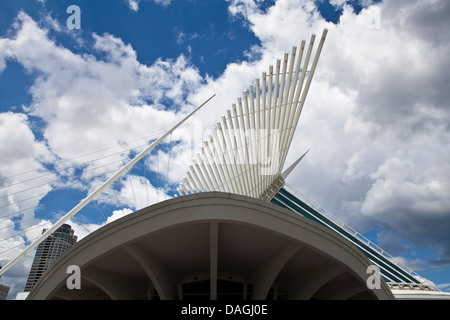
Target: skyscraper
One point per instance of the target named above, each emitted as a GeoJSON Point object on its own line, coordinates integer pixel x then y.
{"type": "Point", "coordinates": [3, 290]}
{"type": "Point", "coordinates": [48, 251]}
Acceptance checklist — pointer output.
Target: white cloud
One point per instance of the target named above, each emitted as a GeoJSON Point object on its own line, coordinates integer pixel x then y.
{"type": "Point", "coordinates": [117, 214]}
{"type": "Point", "coordinates": [134, 4]}
{"type": "Point", "coordinates": [444, 286]}
{"type": "Point", "coordinates": [79, 97]}
{"type": "Point", "coordinates": [164, 3]}
{"type": "Point", "coordinates": [24, 180]}
{"type": "Point", "coordinates": [133, 191]}
{"type": "Point", "coordinates": [376, 118]}
{"type": "Point", "coordinates": [338, 3]}
{"type": "Point", "coordinates": [85, 104]}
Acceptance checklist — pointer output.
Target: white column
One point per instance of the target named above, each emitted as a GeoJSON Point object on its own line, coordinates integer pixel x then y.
{"type": "Point", "coordinates": [213, 256]}
{"type": "Point", "coordinates": [264, 276]}
{"type": "Point", "coordinates": [161, 277]}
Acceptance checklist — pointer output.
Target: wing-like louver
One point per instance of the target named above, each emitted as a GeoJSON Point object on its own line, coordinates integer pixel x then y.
{"type": "Point", "coordinates": [247, 150]}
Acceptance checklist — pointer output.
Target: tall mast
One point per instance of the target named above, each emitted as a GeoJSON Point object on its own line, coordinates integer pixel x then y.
{"type": "Point", "coordinates": [97, 191]}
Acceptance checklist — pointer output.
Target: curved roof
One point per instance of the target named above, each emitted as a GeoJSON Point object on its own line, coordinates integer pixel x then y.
{"type": "Point", "coordinates": [169, 248]}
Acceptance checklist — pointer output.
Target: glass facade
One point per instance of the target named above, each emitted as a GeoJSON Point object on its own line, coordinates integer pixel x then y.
{"type": "Point", "coordinates": [48, 251]}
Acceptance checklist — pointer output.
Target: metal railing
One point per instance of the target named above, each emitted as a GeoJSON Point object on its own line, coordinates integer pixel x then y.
{"type": "Point", "coordinates": [411, 286]}
{"type": "Point", "coordinates": [353, 232]}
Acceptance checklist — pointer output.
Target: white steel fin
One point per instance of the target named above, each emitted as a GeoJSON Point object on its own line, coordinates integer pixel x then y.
{"type": "Point", "coordinates": [248, 149]}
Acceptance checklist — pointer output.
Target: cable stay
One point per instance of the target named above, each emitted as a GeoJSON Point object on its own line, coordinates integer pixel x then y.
{"type": "Point", "coordinates": [98, 191]}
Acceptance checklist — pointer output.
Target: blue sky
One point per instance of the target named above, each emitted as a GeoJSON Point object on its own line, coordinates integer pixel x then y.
{"type": "Point", "coordinates": [378, 134]}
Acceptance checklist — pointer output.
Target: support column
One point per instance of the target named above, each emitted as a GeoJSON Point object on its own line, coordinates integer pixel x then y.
{"type": "Point", "coordinates": [159, 274]}
{"type": "Point", "coordinates": [213, 255]}
{"type": "Point", "coordinates": [307, 284]}
{"type": "Point", "coordinates": [264, 276]}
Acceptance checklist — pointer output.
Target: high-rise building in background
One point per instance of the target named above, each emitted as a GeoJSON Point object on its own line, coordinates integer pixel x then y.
{"type": "Point", "coordinates": [3, 292]}
{"type": "Point", "coordinates": [48, 251]}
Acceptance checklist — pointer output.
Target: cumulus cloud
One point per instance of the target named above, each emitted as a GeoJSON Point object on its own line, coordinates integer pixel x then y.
{"type": "Point", "coordinates": [84, 103]}
{"type": "Point", "coordinates": [79, 97]}
{"type": "Point", "coordinates": [376, 118]}
{"type": "Point", "coordinates": [338, 3]}
{"type": "Point", "coordinates": [22, 161]}
{"type": "Point", "coordinates": [164, 3]}
{"type": "Point", "coordinates": [134, 4]}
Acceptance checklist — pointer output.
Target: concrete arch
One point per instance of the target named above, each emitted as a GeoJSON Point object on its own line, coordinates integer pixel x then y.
{"type": "Point", "coordinates": [214, 237]}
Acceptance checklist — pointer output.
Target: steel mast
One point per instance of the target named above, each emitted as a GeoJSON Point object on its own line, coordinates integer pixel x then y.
{"type": "Point", "coordinates": [96, 192]}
